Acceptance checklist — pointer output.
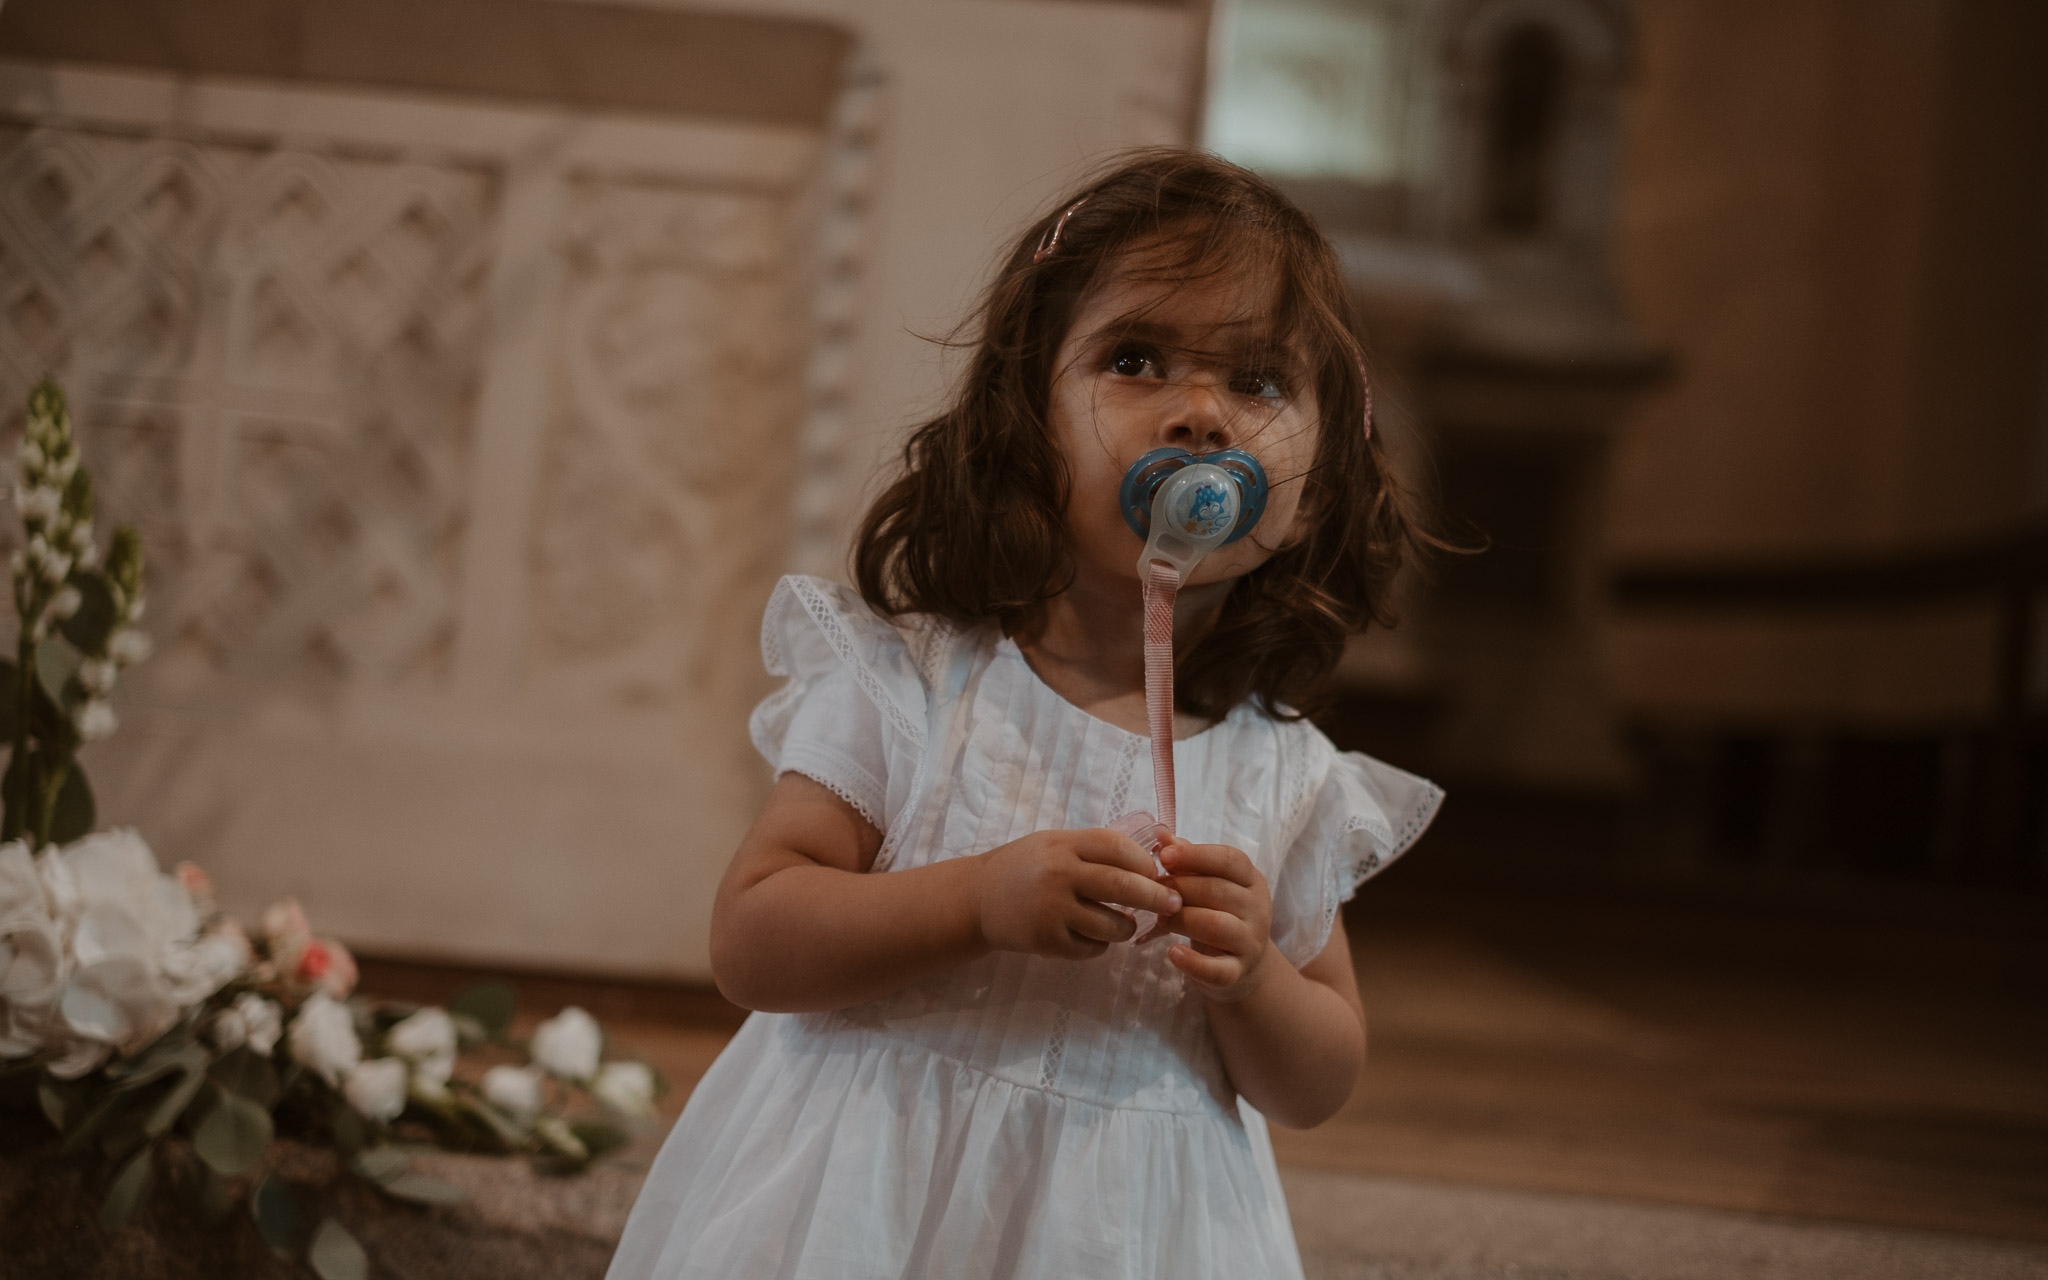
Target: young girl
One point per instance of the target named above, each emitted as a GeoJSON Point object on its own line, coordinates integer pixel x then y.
{"type": "Point", "coordinates": [966, 1064]}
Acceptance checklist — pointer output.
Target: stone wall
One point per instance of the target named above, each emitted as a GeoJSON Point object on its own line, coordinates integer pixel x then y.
{"type": "Point", "coordinates": [468, 430]}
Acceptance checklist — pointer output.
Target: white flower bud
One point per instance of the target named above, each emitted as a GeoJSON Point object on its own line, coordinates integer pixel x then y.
{"type": "Point", "coordinates": [56, 568]}
{"type": "Point", "coordinates": [515, 1089]}
{"type": "Point", "coordinates": [323, 1038]}
{"type": "Point", "coordinates": [41, 504]}
{"type": "Point", "coordinates": [377, 1088]}
{"type": "Point", "coordinates": [96, 720]}
{"type": "Point", "coordinates": [128, 646]}
{"type": "Point", "coordinates": [97, 675]}
{"type": "Point", "coordinates": [31, 457]}
{"type": "Point", "coordinates": [65, 603]}
{"type": "Point", "coordinates": [81, 535]}
{"type": "Point", "coordinates": [18, 562]}
{"type": "Point", "coordinates": [568, 1044]}
{"type": "Point", "coordinates": [38, 550]}
{"type": "Point", "coordinates": [625, 1087]}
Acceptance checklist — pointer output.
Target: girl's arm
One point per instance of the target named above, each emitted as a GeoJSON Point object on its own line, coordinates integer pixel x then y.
{"type": "Point", "coordinates": [798, 925]}
{"type": "Point", "coordinates": [1293, 1040]}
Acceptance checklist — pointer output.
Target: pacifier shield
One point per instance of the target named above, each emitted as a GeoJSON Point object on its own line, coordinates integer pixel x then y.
{"type": "Point", "coordinates": [1198, 511]}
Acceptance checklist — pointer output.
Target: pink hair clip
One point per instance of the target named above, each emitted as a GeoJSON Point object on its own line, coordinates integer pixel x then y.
{"type": "Point", "coordinates": [1051, 239]}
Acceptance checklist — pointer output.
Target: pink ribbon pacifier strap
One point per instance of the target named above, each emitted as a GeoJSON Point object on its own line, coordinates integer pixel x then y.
{"type": "Point", "coordinates": [1161, 582]}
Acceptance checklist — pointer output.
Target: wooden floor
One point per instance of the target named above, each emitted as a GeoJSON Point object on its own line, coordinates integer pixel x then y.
{"type": "Point", "coordinates": [1711, 1058]}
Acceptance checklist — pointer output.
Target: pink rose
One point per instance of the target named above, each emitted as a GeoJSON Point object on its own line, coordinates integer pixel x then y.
{"type": "Point", "coordinates": [327, 965]}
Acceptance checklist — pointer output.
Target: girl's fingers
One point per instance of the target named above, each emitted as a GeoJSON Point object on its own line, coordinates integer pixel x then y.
{"type": "Point", "coordinates": [1126, 889]}
{"type": "Point", "coordinates": [1111, 849]}
{"type": "Point", "coordinates": [1218, 860]}
{"type": "Point", "coordinates": [1214, 971]}
{"type": "Point", "coordinates": [1214, 892]}
{"type": "Point", "coordinates": [1218, 929]}
{"type": "Point", "coordinates": [1099, 923]}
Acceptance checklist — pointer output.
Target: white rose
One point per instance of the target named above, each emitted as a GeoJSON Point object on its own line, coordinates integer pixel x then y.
{"type": "Point", "coordinates": [323, 1038]}
{"type": "Point", "coordinates": [32, 967]}
{"type": "Point", "coordinates": [568, 1044]}
{"type": "Point", "coordinates": [217, 958]}
{"type": "Point", "coordinates": [96, 720]}
{"type": "Point", "coordinates": [516, 1089]}
{"type": "Point", "coordinates": [119, 1002]}
{"type": "Point", "coordinates": [377, 1088]}
{"type": "Point", "coordinates": [427, 1039]}
{"type": "Point", "coordinates": [625, 1087]}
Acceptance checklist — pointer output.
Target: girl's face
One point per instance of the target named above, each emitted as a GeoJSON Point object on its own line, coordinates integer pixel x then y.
{"type": "Point", "coordinates": [1151, 364]}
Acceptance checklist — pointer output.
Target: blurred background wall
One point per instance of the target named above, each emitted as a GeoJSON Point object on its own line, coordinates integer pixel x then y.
{"type": "Point", "coordinates": [474, 366]}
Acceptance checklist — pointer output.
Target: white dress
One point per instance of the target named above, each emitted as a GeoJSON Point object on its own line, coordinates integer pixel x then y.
{"type": "Point", "coordinates": [1018, 1116]}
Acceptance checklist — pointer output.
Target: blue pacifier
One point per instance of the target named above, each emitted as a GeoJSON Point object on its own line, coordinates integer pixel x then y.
{"type": "Point", "coordinates": [1186, 505]}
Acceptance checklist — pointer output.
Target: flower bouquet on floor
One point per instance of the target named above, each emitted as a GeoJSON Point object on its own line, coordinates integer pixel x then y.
{"type": "Point", "coordinates": [160, 1038]}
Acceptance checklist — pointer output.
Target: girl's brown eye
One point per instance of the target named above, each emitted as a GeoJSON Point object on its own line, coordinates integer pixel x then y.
{"type": "Point", "coordinates": [1264, 386]}
{"type": "Point", "coordinates": [1132, 363]}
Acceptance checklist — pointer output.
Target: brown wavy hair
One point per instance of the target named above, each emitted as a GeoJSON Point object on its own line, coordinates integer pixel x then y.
{"type": "Point", "coordinates": [973, 529]}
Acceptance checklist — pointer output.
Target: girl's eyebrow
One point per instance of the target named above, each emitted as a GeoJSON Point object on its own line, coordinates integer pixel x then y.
{"type": "Point", "coordinates": [1140, 329]}
{"type": "Point", "coordinates": [1257, 347]}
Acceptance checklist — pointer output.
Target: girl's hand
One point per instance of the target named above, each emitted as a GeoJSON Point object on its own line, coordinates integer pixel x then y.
{"type": "Point", "coordinates": [1228, 917]}
{"type": "Point", "coordinates": [1045, 892]}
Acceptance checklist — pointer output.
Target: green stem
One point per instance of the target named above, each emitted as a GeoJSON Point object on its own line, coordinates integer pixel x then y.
{"type": "Point", "coordinates": [24, 700]}
{"type": "Point", "coordinates": [51, 791]}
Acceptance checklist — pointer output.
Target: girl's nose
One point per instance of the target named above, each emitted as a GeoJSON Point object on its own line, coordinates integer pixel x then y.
{"type": "Point", "coordinates": [1199, 419]}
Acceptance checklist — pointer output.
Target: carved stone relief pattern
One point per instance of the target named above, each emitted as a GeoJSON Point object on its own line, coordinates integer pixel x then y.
{"type": "Point", "coordinates": [273, 351]}
{"type": "Point", "coordinates": [826, 499]}
{"type": "Point", "coordinates": [669, 460]}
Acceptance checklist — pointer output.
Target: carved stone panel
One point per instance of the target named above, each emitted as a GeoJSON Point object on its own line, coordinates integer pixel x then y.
{"type": "Point", "coordinates": [464, 442]}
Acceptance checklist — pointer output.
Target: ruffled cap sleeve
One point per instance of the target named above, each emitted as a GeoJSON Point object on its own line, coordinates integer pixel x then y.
{"type": "Point", "coordinates": [1362, 815]}
{"type": "Point", "coordinates": [852, 715]}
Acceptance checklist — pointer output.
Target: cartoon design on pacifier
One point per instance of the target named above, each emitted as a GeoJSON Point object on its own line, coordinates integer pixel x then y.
{"type": "Point", "coordinates": [1187, 505]}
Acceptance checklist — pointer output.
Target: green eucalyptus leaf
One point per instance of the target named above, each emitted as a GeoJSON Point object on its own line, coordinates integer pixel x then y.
{"type": "Point", "coordinates": [381, 1164]}
{"type": "Point", "coordinates": [249, 1074]}
{"type": "Point", "coordinates": [206, 1195]}
{"type": "Point", "coordinates": [351, 1133]}
{"type": "Point", "coordinates": [130, 1189]}
{"type": "Point", "coordinates": [279, 1219]}
{"type": "Point", "coordinates": [490, 1004]}
{"type": "Point", "coordinates": [57, 1102]}
{"type": "Point", "coordinates": [494, 1123]}
{"type": "Point", "coordinates": [78, 495]}
{"type": "Point", "coordinates": [335, 1255]}
{"type": "Point", "coordinates": [76, 810]}
{"type": "Point", "coordinates": [89, 627]}
{"type": "Point", "coordinates": [598, 1138]}
{"type": "Point", "coordinates": [233, 1136]}
{"type": "Point", "coordinates": [56, 663]}
{"type": "Point", "coordinates": [96, 1119]}
{"type": "Point", "coordinates": [420, 1188]}
{"type": "Point", "coordinates": [166, 1112]}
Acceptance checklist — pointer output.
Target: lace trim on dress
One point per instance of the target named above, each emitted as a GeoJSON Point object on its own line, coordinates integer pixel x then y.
{"type": "Point", "coordinates": [840, 774]}
{"type": "Point", "coordinates": [1348, 873]}
{"type": "Point", "coordinates": [825, 615]}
